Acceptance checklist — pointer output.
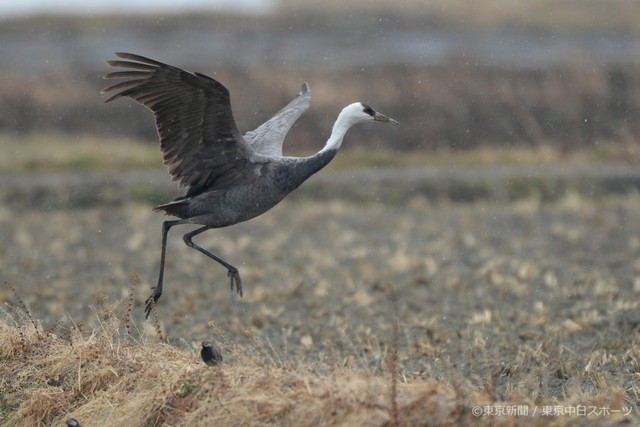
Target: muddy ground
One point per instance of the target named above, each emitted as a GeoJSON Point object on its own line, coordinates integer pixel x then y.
{"type": "Point", "coordinates": [524, 296]}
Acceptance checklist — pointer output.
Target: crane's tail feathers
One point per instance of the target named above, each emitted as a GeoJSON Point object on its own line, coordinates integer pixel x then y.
{"type": "Point", "coordinates": [173, 208]}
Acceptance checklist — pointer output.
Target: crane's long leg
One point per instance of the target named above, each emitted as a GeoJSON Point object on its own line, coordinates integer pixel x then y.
{"type": "Point", "coordinates": [157, 291]}
{"type": "Point", "coordinates": [233, 272]}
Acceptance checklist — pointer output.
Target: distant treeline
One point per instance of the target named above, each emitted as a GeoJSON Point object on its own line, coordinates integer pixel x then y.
{"type": "Point", "coordinates": [454, 105]}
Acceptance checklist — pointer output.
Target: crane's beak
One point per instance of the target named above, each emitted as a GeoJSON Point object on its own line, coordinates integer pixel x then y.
{"type": "Point", "coordinates": [379, 117]}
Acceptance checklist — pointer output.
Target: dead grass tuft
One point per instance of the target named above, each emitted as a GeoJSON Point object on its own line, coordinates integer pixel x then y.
{"type": "Point", "coordinates": [392, 359]}
{"type": "Point", "coordinates": [135, 278]}
{"type": "Point", "coordinates": [25, 309]}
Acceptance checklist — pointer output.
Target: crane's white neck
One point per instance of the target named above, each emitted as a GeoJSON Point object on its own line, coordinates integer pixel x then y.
{"type": "Point", "coordinates": [302, 169]}
{"type": "Point", "coordinates": [345, 120]}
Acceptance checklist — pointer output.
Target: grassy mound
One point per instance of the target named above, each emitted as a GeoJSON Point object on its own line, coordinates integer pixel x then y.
{"type": "Point", "coordinates": [103, 375]}
{"type": "Point", "coordinates": [112, 374]}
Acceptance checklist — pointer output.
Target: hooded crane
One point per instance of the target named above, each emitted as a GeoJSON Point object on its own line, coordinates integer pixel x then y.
{"type": "Point", "coordinates": [229, 178]}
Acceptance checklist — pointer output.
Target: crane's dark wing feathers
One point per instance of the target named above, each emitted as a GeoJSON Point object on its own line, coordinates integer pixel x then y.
{"type": "Point", "coordinates": [200, 143]}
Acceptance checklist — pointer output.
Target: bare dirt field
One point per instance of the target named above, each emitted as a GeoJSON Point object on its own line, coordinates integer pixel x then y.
{"type": "Point", "coordinates": [528, 301]}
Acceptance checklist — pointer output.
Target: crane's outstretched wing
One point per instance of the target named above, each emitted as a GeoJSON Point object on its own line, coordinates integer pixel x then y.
{"type": "Point", "coordinates": [268, 138]}
{"type": "Point", "coordinates": [199, 140]}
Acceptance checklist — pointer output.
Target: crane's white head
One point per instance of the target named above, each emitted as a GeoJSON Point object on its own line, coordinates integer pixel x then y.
{"type": "Point", "coordinates": [359, 112]}
{"type": "Point", "coordinates": [350, 115]}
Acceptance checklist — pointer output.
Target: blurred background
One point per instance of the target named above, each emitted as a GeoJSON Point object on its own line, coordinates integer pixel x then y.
{"type": "Point", "coordinates": [459, 74]}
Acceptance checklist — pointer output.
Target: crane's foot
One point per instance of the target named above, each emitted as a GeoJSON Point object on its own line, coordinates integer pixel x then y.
{"type": "Point", "coordinates": [151, 301]}
{"type": "Point", "coordinates": [235, 280]}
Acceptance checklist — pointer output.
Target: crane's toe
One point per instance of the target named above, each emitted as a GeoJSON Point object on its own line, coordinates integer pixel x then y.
{"type": "Point", "coordinates": [150, 302]}
{"type": "Point", "coordinates": [234, 275]}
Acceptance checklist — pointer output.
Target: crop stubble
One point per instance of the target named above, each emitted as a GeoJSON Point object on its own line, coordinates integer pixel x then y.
{"type": "Point", "coordinates": [525, 297]}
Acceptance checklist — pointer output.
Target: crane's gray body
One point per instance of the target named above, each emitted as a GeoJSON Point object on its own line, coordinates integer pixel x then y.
{"type": "Point", "coordinates": [273, 181]}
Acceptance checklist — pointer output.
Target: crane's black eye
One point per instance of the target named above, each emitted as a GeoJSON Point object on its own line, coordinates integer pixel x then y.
{"type": "Point", "coordinates": [368, 110]}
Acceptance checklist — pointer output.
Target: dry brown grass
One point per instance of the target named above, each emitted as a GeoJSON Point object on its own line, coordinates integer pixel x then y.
{"type": "Point", "coordinates": [104, 376]}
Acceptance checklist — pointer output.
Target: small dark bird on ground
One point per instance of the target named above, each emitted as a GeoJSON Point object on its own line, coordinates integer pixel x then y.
{"type": "Point", "coordinates": [210, 353]}
{"type": "Point", "coordinates": [72, 422]}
